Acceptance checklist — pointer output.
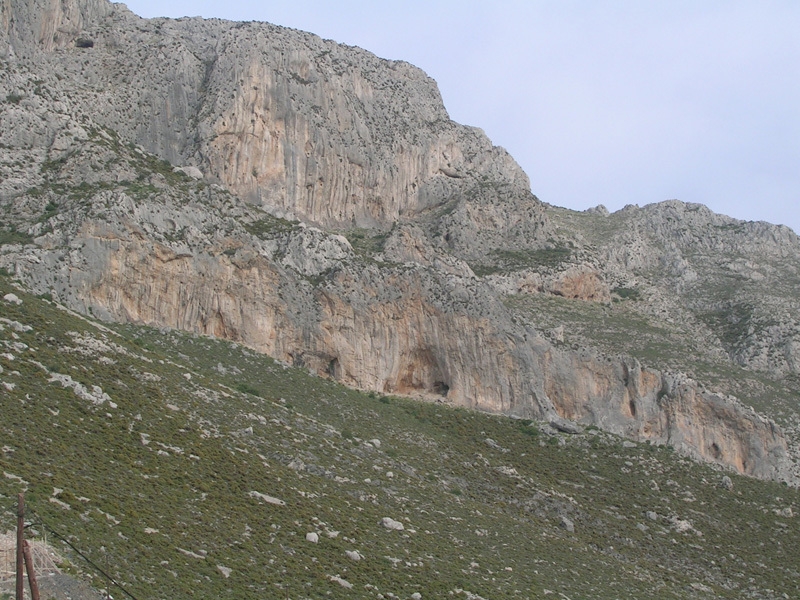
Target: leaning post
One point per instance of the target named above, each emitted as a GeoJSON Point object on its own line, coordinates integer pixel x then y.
{"type": "Point", "coordinates": [20, 541]}
{"type": "Point", "coordinates": [28, 554]}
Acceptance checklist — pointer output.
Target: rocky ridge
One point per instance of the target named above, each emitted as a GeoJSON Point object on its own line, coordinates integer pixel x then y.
{"type": "Point", "coordinates": [316, 203]}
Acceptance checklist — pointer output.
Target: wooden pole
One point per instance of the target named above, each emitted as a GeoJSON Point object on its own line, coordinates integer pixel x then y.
{"type": "Point", "coordinates": [26, 551]}
{"type": "Point", "coordinates": [20, 541]}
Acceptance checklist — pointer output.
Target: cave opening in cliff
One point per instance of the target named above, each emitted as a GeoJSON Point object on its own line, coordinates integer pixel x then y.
{"type": "Point", "coordinates": [716, 451]}
{"type": "Point", "coordinates": [441, 388]}
{"type": "Point", "coordinates": [84, 43]}
{"type": "Point", "coordinates": [334, 369]}
{"type": "Point", "coordinates": [632, 407]}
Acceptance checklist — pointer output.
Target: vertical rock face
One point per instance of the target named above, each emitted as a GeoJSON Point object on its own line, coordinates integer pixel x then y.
{"type": "Point", "coordinates": [623, 397]}
{"type": "Point", "coordinates": [284, 119]}
{"type": "Point", "coordinates": [317, 130]}
{"type": "Point", "coordinates": [283, 124]}
{"type": "Point", "coordinates": [28, 25]}
{"type": "Point", "coordinates": [395, 331]}
{"type": "Point", "coordinates": [748, 443]}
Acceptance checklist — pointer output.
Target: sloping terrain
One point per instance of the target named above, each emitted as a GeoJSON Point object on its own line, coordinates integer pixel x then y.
{"type": "Point", "coordinates": [194, 467]}
{"type": "Point", "coordinates": [315, 203]}
{"type": "Point", "coordinates": [212, 234]}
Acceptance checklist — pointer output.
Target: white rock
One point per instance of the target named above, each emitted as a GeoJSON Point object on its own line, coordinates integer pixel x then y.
{"type": "Point", "coordinates": [353, 555]}
{"type": "Point", "coordinates": [226, 571]}
{"type": "Point", "coordinates": [376, 443]}
{"type": "Point", "coordinates": [96, 396]}
{"type": "Point", "coordinates": [312, 537]}
{"type": "Point", "coordinates": [391, 524]}
{"type": "Point", "coordinates": [12, 299]}
{"type": "Point", "coordinates": [15, 325]}
{"type": "Point", "coordinates": [681, 525]}
{"type": "Point", "coordinates": [191, 171]}
{"type": "Point", "coordinates": [567, 524]}
{"type": "Point", "coordinates": [342, 582]}
{"type": "Point", "coordinates": [267, 499]}
{"type": "Point", "coordinates": [199, 555]}
{"type": "Point", "coordinates": [58, 502]}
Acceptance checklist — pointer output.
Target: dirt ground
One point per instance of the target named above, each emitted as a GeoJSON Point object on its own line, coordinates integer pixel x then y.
{"type": "Point", "coordinates": [53, 585]}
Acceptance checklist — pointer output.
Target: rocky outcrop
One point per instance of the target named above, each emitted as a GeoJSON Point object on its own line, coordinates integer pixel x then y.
{"type": "Point", "coordinates": [405, 329]}
{"type": "Point", "coordinates": [737, 278]}
{"type": "Point", "coordinates": [625, 398]}
{"type": "Point", "coordinates": [581, 284]}
{"type": "Point", "coordinates": [284, 119]}
{"type": "Point", "coordinates": [261, 126]}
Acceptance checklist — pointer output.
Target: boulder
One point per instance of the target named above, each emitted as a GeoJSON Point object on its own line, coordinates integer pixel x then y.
{"type": "Point", "coordinates": [391, 524]}
{"type": "Point", "coordinates": [12, 299]}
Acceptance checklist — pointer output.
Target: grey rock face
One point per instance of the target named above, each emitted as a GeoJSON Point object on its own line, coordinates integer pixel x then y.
{"type": "Point", "coordinates": [315, 202]}
{"type": "Point", "coordinates": [30, 25]}
{"type": "Point", "coordinates": [284, 119]}
{"type": "Point", "coordinates": [567, 525]}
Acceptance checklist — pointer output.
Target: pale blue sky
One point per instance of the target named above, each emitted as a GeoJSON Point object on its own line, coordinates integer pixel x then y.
{"type": "Point", "coordinates": [606, 102]}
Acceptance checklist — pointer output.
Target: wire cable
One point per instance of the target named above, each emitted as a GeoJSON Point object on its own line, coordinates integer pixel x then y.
{"type": "Point", "coordinates": [83, 556]}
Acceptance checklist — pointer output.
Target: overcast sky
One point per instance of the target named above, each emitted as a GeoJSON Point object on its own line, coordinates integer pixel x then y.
{"type": "Point", "coordinates": [601, 102]}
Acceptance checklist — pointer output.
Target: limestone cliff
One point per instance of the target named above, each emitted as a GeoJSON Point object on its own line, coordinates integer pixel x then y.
{"type": "Point", "coordinates": [326, 211]}
{"type": "Point", "coordinates": [30, 25]}
{"type": "Point", "coordinates": [325, 132]}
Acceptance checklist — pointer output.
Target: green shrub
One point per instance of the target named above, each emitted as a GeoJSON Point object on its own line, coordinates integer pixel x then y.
{"type": "Point", "coordinates": [517, 260]}
{"type": "Point", "coordinates": [270, 227]}
{"type": "Point", "coordinates": [366, 242]}
{"type": "Point", "coordinates": [14, 237]}
{"type": "Point", "coordinates": [246, 388]}
{"type": "Point", "coordinates": [627, 293]}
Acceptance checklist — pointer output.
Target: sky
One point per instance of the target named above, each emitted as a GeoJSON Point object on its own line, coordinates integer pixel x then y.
{"type": "Point", "coordinates": [609, 102]}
